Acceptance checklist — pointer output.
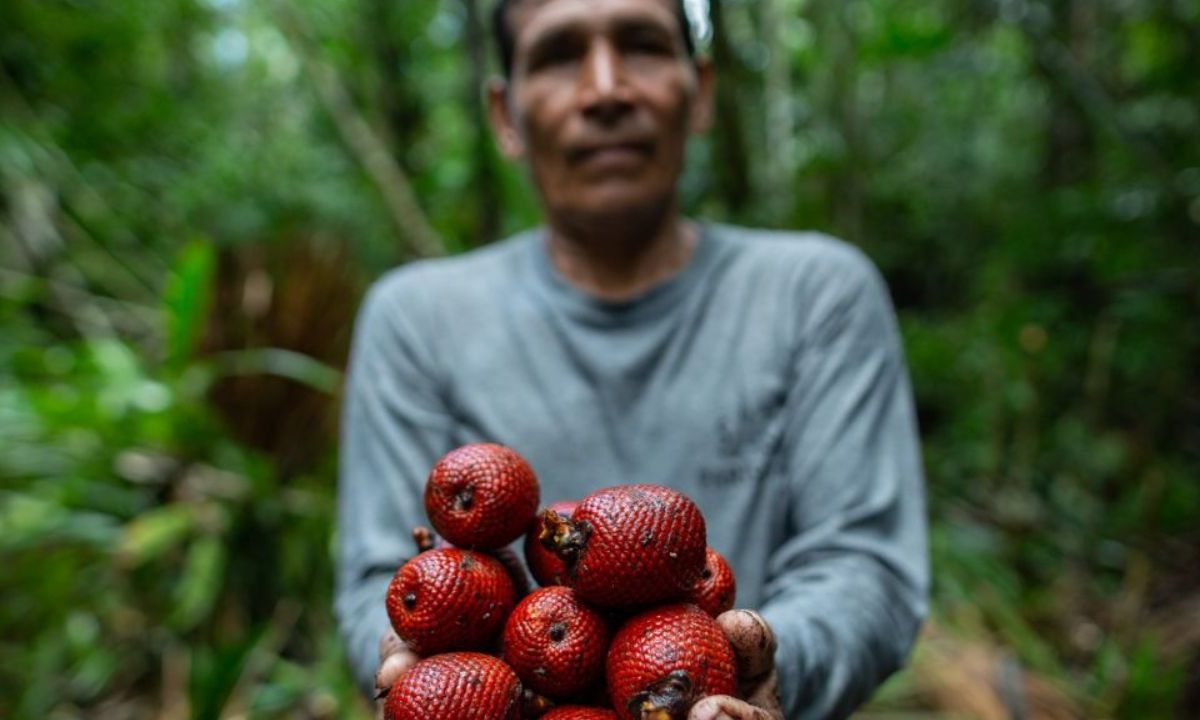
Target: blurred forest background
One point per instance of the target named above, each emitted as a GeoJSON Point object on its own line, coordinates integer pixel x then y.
{"type": "Point", "coordinates": [194, 194]}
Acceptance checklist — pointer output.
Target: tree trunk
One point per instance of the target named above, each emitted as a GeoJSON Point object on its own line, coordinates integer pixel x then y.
{"type": "Point", "coordinates": [731, 167]}
{"type": "Point", "coordinates": [780, 161]}
{"type": "Point", "coordinates": [484, 179]}
{"type": "Point", "coordinates": [846, 192]}
{"type": "Point", "coordinates": [399, 106]}
{"type": "Point", "coordinates": [1070, 139]}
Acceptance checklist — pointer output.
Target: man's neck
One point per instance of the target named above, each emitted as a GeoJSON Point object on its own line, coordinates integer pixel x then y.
{"type": "Point", "coordinates": [623, 258]}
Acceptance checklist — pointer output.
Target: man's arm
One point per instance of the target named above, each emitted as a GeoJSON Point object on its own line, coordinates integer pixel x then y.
{"type": "Point", "coordinates": [394, 427]}
{"type": "Point", "coordinates": [847, 593]}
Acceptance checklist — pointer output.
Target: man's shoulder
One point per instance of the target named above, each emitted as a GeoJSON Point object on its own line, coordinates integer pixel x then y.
{"type": "Point", "coordinates": [464, 274]}
{"type": "Point", "coordinates": [815, 261]}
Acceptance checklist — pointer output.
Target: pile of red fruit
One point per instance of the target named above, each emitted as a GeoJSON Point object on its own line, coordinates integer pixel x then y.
{"type": "Point", "coordinates": [622, 626]}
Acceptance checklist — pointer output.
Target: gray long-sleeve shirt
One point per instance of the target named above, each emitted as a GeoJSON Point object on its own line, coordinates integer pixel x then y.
{"type": "Point", "coordinates": [765, 380]}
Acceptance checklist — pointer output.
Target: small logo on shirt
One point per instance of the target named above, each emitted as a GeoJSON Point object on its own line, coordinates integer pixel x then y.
{"type": "Point", "coordinates": [741, 433]}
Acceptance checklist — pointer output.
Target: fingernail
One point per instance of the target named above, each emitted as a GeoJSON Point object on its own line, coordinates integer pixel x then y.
{"type": "Point", "coordinates": [755, 618]}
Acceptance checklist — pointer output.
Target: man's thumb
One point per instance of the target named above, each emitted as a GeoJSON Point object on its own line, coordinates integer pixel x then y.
{"type": "Point", "coordinates": [392, 667]}
{"type": "Point", "coordinates": [752, 640]}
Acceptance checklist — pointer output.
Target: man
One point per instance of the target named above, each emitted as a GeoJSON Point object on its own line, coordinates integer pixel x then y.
{"type": "Point", "coordinates": [760, 373]}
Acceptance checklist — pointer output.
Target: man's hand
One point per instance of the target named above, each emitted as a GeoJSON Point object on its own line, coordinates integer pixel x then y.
{"type": "Point", "coordinates": [754, 648]}
{"type": "Point", "coordinates": [394, 660]}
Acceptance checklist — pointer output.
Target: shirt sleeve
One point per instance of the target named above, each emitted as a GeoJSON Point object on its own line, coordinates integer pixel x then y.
{"type": "Point", "coordinates": [847, 592]}
{"type": "Point", "coordinates": [394, 428]}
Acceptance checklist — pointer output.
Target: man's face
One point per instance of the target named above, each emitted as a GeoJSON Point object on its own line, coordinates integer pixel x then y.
{"type": "Point", "coordinates": [601, 100]}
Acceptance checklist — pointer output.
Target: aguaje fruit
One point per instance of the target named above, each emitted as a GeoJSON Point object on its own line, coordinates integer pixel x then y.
{"type": "Point", "coordinates": [629, 545]}
{"type": "Point", "coordinates": [449, 599]}
{"type": "Point", "coordinates": [544, 564]}
{"type": "Point", "coordinates": [481, 496]}
{"type": "Point", "coordinates": [427, 540]}
{"type": "Point", "coordinates": [716, 589]}
{"type": "Point", "coordinates": [456, 686]}
{"type": "Point", "coordinates": [579, 712]}
{"type": "Point", "coordinates": [664, 660]}
{"type": "Point", "coordinates": [554, 642]}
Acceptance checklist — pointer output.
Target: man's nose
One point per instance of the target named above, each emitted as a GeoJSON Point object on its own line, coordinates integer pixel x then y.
{"type": "Point", "coordinates": [602, 86]}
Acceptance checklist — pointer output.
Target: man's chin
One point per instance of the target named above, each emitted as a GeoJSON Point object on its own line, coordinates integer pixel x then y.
{"type": "Point", "coordinates": [618, 203]}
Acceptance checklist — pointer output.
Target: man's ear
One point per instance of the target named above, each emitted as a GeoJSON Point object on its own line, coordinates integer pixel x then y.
{"type": "Point", "coordinates": [504, 125]}
{"type": "Point", "coordinates": [702, 107]}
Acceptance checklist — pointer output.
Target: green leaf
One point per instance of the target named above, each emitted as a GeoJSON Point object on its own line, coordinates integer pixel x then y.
{"type": "Point", "coordinates": [201, 582]}
{"type": "Point", "coordinates": [154, 532]}
{"type": "Point", "coordinates": [186, 299]}
{"type": "Point", "coordinates": [288, 364]}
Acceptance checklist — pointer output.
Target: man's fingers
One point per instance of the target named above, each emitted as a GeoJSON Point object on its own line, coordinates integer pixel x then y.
{"type": "Point", "coordinates": [752, 640]}
{"type": "Point", "coordinates": [763, 693]}
{"type": "Point", "coordinates": [393, 666]}
{"type": "Point", "coordinates": [723, 707]}
{"type": "Point", "coordinates": [390, 644]}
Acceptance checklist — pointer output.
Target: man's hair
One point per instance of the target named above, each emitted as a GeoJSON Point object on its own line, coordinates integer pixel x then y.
{"type": "Point", "coordinates": [506, 42]}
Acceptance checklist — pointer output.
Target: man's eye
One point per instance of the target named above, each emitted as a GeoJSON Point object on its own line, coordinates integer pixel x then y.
{"type": "Point", "coordinates": [648, 44]}
{"type": "Point", "coordinates": [654, 47]}
{"type": "Point", "coordinates": [553, 55]}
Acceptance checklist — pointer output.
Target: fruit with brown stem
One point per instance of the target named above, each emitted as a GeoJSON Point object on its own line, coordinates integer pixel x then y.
{"type": "Point", "coordinates": [664, 660]}
{"type": "Point", "coordinates": [544, 564]}
{"type": "Point", "coordinates": [629, 545]}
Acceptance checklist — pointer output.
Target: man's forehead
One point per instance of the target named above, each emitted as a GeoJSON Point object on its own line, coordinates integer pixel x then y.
{"type": "Point", "coordinates": [536, 17]}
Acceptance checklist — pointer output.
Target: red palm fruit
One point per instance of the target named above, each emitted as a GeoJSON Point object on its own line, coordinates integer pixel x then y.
{"type": "Point", "coordinates": [664, 660]}
{"type": "Point", "coordinates": [481, 496]}
{"type": "Point", "coordinates": [629, 545]}
{"type": "Point", "coordinates": [546, 566]}
{"type": "Point", "coordinates": [456, 686]}
{"type": "Point", "coordinates": [579, 712]}
{"type": "Point", "coordinates": [451, 599]}
{"type": "Point", "coordinates": [554, 642]}
{"type": "Point", "coordinates": [426, 540]}
{"type": "Point", "coordinates": [716, 589]}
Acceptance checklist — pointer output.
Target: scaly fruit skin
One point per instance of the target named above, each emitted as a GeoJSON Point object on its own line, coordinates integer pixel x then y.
{"type": "Point", "coordinates": [631, 545]}
{"type": "Point", "coordinates": [554, 642]}
{"type": "Point", "coordinates": [716, 589]}
{"type": "Point", "coordinates": [450, 599]}
{"type": "Point", "coordinates": [427, 540]}
{"type": "Point", "coordinates": [579, 712]}
{"type": "Point", "coordinates": [456, 686]}
{"type": "Point", "coordinates": [664, 660]}
{"type": "Point", "coordinates": [545, 566]}
{"type": "Point", "coordinates": [481, 496]}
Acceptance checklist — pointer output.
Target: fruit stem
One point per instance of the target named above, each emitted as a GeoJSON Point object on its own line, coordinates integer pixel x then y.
{"type": "Point", "coordinates": [424, 538]}
{"type": "Point", "coordinates": [534, 705]}
{"type": "Point", "coordinates": [563, 536]}
{"type": "Point", "coordinates": [668, 699]}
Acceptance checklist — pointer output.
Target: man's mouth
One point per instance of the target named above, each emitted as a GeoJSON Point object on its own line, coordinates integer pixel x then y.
{"type": "Point", "coordinates": [619, 153]}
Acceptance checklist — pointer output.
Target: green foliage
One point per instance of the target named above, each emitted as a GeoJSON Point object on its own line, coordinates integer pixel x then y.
{"type": "Point", "coordinates": [1025, 173]}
